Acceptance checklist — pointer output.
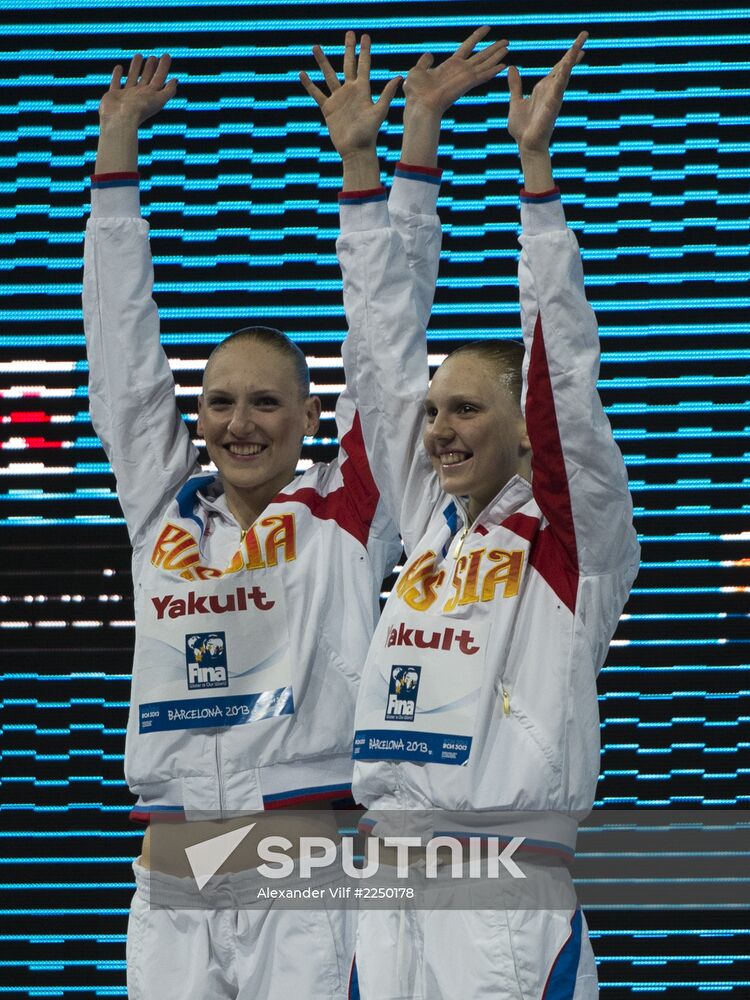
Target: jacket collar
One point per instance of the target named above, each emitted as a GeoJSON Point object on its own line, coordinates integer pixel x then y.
{"type": "Point", "coordinates": [515, 493]}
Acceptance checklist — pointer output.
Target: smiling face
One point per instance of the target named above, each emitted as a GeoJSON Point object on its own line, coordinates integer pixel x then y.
{"type": "Point", "coordinates": [474, 432]}
{"type": "Point", "coordinates": [253, 416]}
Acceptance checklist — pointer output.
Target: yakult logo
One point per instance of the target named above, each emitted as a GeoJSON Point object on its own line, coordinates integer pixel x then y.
{"type": "Point", "coordinates": [210, 604]}
{"type": "Point", "coordinates": [420, 639]}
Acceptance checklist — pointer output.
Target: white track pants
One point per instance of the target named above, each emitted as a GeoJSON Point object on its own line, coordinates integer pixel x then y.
{"type": "Point", "coordinates": [260, 952]}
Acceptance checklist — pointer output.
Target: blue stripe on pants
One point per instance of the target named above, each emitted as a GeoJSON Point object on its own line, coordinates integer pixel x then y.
{"type": "Point", "coordinates": [561, 983]}
{"type": "Point", "coordinates": [353, 982]}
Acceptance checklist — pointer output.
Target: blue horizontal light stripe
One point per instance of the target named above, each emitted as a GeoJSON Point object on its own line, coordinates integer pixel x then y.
{"type": "Point", "coordinates": [448, 333]}
{"type": "Point", "coordinates": [251, 27]}
{"type": "Point", "coordinates": [531, 17]}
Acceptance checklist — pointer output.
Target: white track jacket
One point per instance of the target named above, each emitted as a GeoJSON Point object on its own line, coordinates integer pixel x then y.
{"type": "Point", "coordinates": [479, 690]}
{"type": "Point", "coordinates": [248, 650]}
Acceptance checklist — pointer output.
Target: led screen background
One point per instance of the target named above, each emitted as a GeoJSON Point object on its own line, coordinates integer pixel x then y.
{"type": "Point", "coordinates": [239, 184]}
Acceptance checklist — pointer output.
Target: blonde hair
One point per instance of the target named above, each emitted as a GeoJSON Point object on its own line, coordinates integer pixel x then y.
{"type": "Point", "coordinates": [505, 357]}
{"type": "Point", "coordinates": [269, 336]}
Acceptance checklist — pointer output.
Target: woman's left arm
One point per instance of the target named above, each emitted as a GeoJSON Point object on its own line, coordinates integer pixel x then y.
{"type": "Point", "coordinates": [579, 477]}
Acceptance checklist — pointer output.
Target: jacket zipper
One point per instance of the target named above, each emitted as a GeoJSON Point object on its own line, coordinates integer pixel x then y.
{"type": "Point", "coordinates": [460, 545]}
{"type": "Point", "coordinates": [467, 526]}
{"type": "Point", "coordinates": [465, 530]}
{"type": "Point", "coordinates": [219, 781]}
{"type": "Point", "coordinates": [219, 776]}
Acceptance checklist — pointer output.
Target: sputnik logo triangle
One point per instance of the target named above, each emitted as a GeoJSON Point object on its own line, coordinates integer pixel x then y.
{"type": "Point", "coordinates": [209, 855]}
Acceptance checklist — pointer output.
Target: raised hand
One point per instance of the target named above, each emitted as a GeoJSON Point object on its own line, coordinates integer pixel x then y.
{"type": "Point", "coordinates": [124, 108]}
{"type": "Point", "coordinates": [531, 120]}
{"type": "Point", "coordinates": [145, 92]}
{"type": "Point", "coordinates": [352, 118]}
{"type": "Point", "coordinates": [431, 91]}
{"type": "Point", "coordinates": [436, 88]}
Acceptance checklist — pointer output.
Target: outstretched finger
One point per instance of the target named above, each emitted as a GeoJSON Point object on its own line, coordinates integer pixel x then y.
{"type": "Point", "coordinates": [363, 65]}
{"type": "Point", "coordinates": [493, 53]}
{"type": "Point", "coordinates": [315, 92]}
{"type": "Point", "coordinates": [560, 72]}
{"type": "Point", "coordinates": [116, 82]}
{"type": "Point", "coordinates": [467, 46]}
{"type": "Point", "coordinates": [574, 54]}
{"type": "Point", "coordinates": [134, 70]}
{"type": "Point", "coordinates": [169, 89]}
{"type": "Point", "coordinates": [350, 61]}
{"type": "Point", "coordinates": [580, 41]}
{"type": "Point", "coordinates": [514, 84]}
{"type": "Point", "coordinates": [162, 70]}
{"type": "Point", "coordinates": [484, 73]}
{"type": "Point", "coordinates": [425, 61]}
{"type": "Point", "coordinates": [149, 68]}
{"type": "Point", "coordinates": [389, 92]}
{"type": "Point", "coordinates": [328, 74]}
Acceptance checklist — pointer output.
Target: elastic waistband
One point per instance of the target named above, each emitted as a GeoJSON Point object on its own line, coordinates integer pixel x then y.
{"type": "Point", "coordinates": [544, 833]}
{"type": "Point", "coordinates": [230, 891]}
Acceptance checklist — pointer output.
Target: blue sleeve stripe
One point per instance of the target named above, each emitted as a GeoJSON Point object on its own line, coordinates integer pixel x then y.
{"type": "Point", "coordinates": [345, 199]}
{"type": "Point", "coordinates": [98, 185]}
{"type": "Point", "coordinates": [417, 175]}
{"type": "Point", "coordinates": [540, 199]}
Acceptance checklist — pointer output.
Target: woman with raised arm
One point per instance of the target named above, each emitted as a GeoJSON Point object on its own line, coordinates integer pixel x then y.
{"type": "Point", "coordinates": [256, 593]}
{"type": "Point", "coordinates": [478, 703]}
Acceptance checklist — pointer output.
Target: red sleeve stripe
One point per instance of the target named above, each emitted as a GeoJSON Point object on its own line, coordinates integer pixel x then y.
{"type": "Point", "coordinates": [541, 197]}
{"type": "Point", "coordinates": [362, 197]}
{"type": "Point", "coordinates": [353, 505]}
{"type": "Point", "coordinates": [546, 556]}
{"type": "Point", "coordinates": [551, 563]}
{"type": "Point", "coordinates": [522, 525]}
{"type": "Point", "coordinates": [123, 179]}
{"type": "Point", "coordinates": [555, 555]}
{"type": "Point", "coordinates": [430, 175]}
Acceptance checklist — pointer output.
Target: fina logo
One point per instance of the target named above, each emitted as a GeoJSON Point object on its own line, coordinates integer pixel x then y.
{"type": "Point", "coordinates": [402, 694]}
{"type": "Point", "coordinates": [206, 658]}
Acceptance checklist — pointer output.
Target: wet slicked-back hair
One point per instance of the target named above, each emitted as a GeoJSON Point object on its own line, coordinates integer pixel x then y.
{"type": "Point", "coordinates": [269, 336]}
{"type": "Point", "coordinates": [505, 357]}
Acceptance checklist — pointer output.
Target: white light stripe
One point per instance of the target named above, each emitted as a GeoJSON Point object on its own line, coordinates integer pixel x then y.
{"type": "Point", "coordinates": [35, 468]}
{"type": "Point", "coordinates": [35, 392]}
{"type": "Point", "coordinates": [37, 366]}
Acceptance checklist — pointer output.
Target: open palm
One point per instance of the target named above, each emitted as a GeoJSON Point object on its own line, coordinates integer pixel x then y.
{"type": "Point", "coordinates": [437, 88]}
{"type": "Point", "coordinates": [145, 92]}
{"type": "Point", "coordinates": [531, 120]}
{"type": "Point", "coordinates": [352, 118]}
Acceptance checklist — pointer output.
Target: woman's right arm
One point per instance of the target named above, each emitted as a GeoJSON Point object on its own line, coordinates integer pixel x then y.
{"type": "Point", "coordinates": [131, 388]}
{"type": "Point", "coordinates": [384, 354]}
{"type": "Point", "coordinates": [389, 256]}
